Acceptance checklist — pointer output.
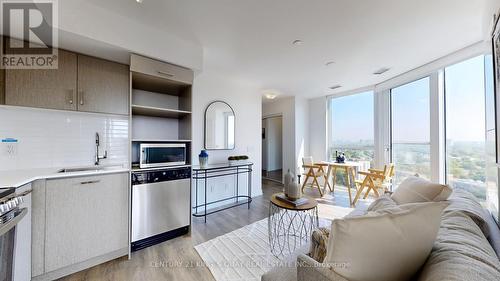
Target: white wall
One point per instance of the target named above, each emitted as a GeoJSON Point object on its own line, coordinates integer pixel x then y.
{"type": "Point", "coordinates": [56, 139]}
{"type": "Point", "coordinates": [246, 101]}
{"type": "Point", "coordinates": [286, 108]}
{"type": "Point", "coordinates": [97, 23]}
{"type": "Point", "coordinates": [318, 128]}
{"type": "Point", "coordinates": [301, 131]}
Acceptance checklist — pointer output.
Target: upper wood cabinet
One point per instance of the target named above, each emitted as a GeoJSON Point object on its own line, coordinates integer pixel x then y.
{"type": "Point", "coordinates": [47, 88]}
{"type": "Point", "coordinates": [103, 86]}
{"type": "Point", "coordinates": [80, 83]}
{"type": "Point", "coordinates": [2, 86]}
{"type": "Point", "coordinates": [160, 69]}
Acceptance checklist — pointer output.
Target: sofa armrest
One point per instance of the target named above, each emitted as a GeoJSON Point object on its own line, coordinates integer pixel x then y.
{"type": "Point", "coordinates": [311, 270]}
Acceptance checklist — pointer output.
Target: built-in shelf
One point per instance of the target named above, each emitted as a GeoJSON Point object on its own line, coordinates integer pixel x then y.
{"type": "Point", "coordinates": [158, 112]}
{"type": "Point", "coordinates": [159, 140]}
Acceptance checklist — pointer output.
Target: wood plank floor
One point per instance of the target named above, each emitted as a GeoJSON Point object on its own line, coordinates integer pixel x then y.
{"type": "Point", "coordinates": [177, 259]}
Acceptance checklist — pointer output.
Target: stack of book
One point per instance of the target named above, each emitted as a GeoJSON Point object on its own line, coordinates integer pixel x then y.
{"type": "Point", "coordinates": [295, 203]}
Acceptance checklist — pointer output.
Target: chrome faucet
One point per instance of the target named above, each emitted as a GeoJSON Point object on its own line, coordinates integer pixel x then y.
{"type": "Point", "coordinates": [97, 157]}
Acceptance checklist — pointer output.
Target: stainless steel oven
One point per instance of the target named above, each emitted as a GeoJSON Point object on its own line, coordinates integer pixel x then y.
{"type": "Point", "coordinates": [162, 154]}
{"type": "Point", "coordinates": [13, 263]}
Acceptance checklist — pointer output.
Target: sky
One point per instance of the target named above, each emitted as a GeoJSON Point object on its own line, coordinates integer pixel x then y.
{"type": "Point", "coordinates": [465, 110]}
{"type": "Point", "coordinates": [352, 116]}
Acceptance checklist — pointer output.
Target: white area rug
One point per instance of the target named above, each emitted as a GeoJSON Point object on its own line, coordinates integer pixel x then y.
{"type": "Point", "coordinates": [244, 254]}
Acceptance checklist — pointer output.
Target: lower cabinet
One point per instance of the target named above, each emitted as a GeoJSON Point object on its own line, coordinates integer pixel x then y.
{"type": "Point", "coordinates": [86, 218]}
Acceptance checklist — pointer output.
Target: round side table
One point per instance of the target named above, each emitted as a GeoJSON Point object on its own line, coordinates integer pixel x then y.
{"type": "Point", "coordinates": [290, 226]}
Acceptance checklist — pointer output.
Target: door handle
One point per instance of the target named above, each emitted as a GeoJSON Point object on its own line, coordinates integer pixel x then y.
{"type": "Point", "coordinates": [81, 98]}
{"type": "Point", "coordinates": [70, 96]}
{"type": "Point", "coordinates": [165, 73]}
{"type": "Point", "coordinates": [90, 182]}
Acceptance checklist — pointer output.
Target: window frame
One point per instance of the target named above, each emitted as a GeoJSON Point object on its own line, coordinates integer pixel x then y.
{"type": "Point", "coordinates": [431, 131]}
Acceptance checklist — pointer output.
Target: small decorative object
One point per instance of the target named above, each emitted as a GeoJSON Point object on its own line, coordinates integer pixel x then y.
{"type": "Point", "coordinates": [288, 178]}
{"type": "Point", "coordinates": [235, 160]}
{"type": "Point", "coordinates": [339, 157]}
{"type": "Point", "coordinates": [203, 158]}
{"type": "Point", "coordinates": [293, 190]}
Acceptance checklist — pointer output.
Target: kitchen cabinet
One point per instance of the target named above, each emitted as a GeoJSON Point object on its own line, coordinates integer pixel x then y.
{"type": "Point", "coordinates": [103, 86]}
{"type": "Point", "coordinates": [159, 69]}
{"type": "Point", "coordinates": [2, 86]}
{"type": "Point", "coordinates": [37, 227]}
{"type": "Point", "coordinates": [46, 88]}
{"type": "Point", "coordinates": [85, 218]}
{"type": "Point", "coordinates": [80, 83]}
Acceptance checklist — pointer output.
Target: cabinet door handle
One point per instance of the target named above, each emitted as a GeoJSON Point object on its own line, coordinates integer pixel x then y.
{"type": "Point", "coordinates": [90, 182]}
{"type": "Point", "coordinates": [81, 98]}
{"type": "Point", "coordinates": [70, 96]}
{"type": "Point", "coordinates": [165, 73]}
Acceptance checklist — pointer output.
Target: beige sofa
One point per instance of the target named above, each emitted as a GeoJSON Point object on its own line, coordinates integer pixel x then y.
{"type": "Point", "coordinates": [467, 248]}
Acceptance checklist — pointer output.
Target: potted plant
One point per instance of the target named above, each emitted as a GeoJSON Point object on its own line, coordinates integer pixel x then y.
{"type": "Point", "coordinates": [235, 160]}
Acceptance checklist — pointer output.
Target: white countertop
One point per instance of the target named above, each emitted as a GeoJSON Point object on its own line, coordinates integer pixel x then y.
{"type": "Point", "coordinates": [18, 178]}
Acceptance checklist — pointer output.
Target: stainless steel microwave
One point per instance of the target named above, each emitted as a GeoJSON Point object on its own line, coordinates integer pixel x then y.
{"type": "Point", "coordinates": [162, 155]}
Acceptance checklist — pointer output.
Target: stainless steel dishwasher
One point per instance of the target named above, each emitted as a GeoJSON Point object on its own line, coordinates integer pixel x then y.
{"type": "Point", "coordinates": [161, 205]}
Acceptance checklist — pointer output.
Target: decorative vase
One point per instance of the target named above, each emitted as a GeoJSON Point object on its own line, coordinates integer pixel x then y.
{"type": "Point", "coordinates": [292, 191]}
{"type": "Point", "coordinates": [203, 157]}
{"type": "Point", "coordinates": [340, 158]}
{"type": "Point", "coordinates": [288, 178]}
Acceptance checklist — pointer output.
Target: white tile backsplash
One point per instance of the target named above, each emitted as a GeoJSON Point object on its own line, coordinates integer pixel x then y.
{"type": "Point", "coordinates": [53, 138]}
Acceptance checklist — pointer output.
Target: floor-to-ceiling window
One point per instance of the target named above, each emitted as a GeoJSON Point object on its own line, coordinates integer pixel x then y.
{"type": "Point", "coordinates": [351, 127]}
{"type": "Point", "coordinates": [410, 118]}
{"type": "Point", "coordinates": [465, 126]}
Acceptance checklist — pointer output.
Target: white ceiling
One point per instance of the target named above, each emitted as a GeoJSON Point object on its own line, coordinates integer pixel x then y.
{"type": "Point", "coordinates": [252, 39]}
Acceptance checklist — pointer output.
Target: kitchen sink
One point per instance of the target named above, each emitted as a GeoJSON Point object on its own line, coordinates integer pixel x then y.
{"type": "Point", "coordinates": [88, 169]}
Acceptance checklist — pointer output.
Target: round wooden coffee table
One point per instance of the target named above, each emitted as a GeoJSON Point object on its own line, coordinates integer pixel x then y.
{"type": "Point", "coordinates": [290, 226]}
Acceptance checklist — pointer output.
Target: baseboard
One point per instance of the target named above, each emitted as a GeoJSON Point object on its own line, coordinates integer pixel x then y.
{"type": "Point", "coordinates": [65, 271]}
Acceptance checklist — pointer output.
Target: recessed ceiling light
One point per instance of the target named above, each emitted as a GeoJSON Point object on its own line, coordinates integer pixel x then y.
{"type": "Point", "coordinates": [271, 96]}
{"type": "Point", "coordinates": [297, 42]}
{"type": "Point", "coordinates": [381, 71]}
{"type": "Point", "coordinates": [138, 1]}
{"type": "Point", "coordinates": [328, 63]}
{"type": "Point", "coordinates": [335, 87]}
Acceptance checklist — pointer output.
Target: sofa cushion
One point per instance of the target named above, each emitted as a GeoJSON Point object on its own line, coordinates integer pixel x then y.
{"type": "Point", "coordinates": [405, 236]}
{"type": "Point", "coordinates": [415, 189]}
{"type": "Point", "coordinates": [460, 253]}
{"type": "Point", "coordinates": [464, 201]}
{"type": "Point", "coordinates": [383, 202]}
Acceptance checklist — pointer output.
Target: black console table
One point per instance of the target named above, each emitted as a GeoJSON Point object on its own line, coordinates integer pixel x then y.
{"type": "Point", "coordinates": [221, 170]}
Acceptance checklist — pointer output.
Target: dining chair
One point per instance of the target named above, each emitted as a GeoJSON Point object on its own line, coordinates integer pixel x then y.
{"type": "Point", "coordinates": [375, 180]}
{"type": "Point", "coordinates": [313, 171]}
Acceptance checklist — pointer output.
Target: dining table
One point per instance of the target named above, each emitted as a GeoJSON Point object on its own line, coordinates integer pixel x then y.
{"type": "Point", "coordinates": [350, 169]}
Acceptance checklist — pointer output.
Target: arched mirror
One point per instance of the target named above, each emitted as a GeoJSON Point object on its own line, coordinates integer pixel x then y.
{"type": "Point", "coordinates": [219, 126]}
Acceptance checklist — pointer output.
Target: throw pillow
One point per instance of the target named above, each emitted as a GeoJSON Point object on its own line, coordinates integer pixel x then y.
{"type": "Point", "coordinates": [415, 189]}
{"type": "Point", "coordinates": [390, 246]}
{"type": "Point", "coordinates": [319, 241]}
